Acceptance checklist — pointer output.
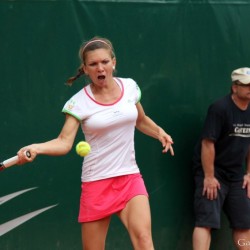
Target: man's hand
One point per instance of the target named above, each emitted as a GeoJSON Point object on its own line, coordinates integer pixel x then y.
{"type": "Point", "coordinates": [211, 186]}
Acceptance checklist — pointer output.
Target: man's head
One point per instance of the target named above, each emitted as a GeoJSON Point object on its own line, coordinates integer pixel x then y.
{"type": "Point", "coordinates": [241, 76]}
{"type": "Point", "coordinates": [241, 84]}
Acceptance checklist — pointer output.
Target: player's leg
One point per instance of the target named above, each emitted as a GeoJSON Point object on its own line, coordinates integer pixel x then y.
{"type": "Point", "coordinates": [94, 234]}
{"type": "Point", "coordinates": [93, 213]}
{"type": "Point", "coordinates": [201, 238]}
{"type": "Point", "coordinates": [137, 219]}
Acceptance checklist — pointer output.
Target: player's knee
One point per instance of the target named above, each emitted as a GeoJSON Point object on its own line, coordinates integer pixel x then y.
{"type": "Point", "coordinates": [144, 240]}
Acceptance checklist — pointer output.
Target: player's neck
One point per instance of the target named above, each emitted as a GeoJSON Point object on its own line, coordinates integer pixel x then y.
{"type": "Point", "coordinates": [107, 94]}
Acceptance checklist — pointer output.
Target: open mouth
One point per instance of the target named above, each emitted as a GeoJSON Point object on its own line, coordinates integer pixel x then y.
{"type": "Point", "coordinates": [101, 77]}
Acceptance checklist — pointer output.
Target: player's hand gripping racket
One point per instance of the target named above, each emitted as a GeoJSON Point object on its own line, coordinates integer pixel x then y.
{"type": "Point", "coordinates": [12, 161]}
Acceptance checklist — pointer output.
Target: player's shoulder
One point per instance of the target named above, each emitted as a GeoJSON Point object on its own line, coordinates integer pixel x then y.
{"type": "Point", "coordinates": [126, 80]}
{"type": "Point", "coordinates": [79, 94]}
{"type": "Point", "coordinates": [128, 83]}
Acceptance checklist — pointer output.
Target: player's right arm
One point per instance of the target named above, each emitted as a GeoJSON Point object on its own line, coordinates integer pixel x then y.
{"type": "Point", "coordinates": [211, 184]}
{"type": "Point", "coordinates": [58, 146]}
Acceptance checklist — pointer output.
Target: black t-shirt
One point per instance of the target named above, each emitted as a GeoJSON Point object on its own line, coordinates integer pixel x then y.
{"type": "Point", "coordinates": [229, 127]}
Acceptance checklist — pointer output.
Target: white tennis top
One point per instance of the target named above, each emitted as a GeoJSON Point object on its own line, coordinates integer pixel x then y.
{"type": "Point", "coordinates": [109, 129]}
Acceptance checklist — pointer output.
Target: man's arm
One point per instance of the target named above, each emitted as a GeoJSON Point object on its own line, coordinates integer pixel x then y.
{"type": "Point", "coordinates": [211, 184]}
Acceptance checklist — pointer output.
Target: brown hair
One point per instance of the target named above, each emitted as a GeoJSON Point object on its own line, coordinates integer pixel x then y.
{"type": "Point", "coordinates": [92, 44]}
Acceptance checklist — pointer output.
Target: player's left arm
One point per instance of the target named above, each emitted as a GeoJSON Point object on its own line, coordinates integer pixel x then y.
{"type": "Point", "coordinates": [147, 126]}
{"type": "Point", "coordinates": [246, 181]}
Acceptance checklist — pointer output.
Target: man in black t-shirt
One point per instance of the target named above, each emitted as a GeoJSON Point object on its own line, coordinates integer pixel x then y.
{"type": "Point", "coordinates": [222, 166]}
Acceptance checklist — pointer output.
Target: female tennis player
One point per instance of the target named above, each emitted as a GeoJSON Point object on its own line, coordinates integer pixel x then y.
{"type": "Point", "coordinates": [108, 110]}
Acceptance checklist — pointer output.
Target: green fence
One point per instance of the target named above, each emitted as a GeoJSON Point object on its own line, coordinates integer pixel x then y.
{"type": "Point", "coordinates": [181, 53]}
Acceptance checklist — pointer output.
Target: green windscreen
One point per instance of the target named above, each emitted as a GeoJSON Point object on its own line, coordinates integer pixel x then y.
{"type": "Point", "coordinates": [181, 54]}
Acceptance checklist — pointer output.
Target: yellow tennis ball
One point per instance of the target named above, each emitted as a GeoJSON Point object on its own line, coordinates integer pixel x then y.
{"type": "Point", "coordinates": [83, 148]}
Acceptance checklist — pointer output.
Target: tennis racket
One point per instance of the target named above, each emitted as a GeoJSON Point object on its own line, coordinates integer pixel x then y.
{"type": "Point", "coordinates": [12, 161]}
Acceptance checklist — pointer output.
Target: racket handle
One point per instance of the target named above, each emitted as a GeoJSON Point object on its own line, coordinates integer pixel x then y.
{"type": "Point", "coordinates": [10, 162]}
{"type": "Point", "coordinates": [13, 160]}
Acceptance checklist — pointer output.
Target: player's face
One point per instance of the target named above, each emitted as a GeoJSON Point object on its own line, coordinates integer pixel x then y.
{"type": "Point", "coordinates": [99, 66]}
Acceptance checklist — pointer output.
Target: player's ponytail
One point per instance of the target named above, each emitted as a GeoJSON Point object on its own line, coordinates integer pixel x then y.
{"type": "Point", "coordinates": [73, 78]}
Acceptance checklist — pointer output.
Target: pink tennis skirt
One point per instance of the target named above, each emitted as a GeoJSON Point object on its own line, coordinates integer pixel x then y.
{"type": "Point", "coordinates": [103, 198]}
